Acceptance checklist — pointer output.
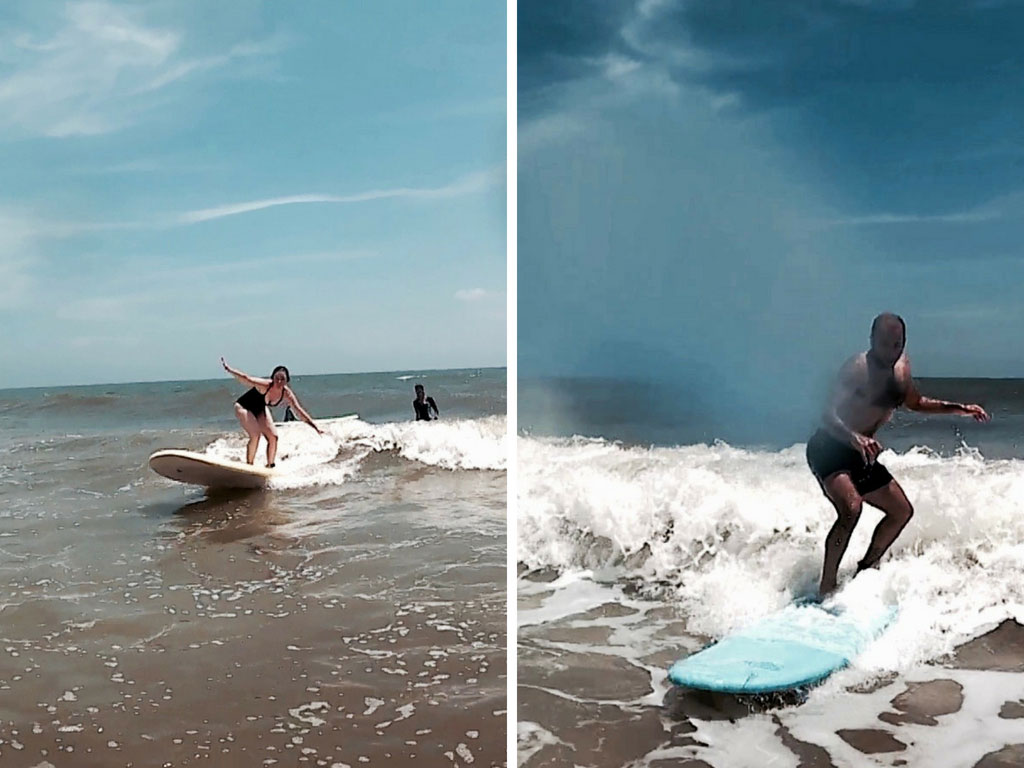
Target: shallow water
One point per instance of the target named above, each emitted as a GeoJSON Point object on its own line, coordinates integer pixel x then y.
{"type": "Point", "coordinates": [352, 614]}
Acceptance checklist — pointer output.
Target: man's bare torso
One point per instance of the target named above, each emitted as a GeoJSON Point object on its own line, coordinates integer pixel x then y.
{"type": "Point", "coordinates": [867, 393]}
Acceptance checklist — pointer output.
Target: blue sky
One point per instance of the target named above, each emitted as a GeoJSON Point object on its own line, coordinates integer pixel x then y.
{"type": "Point", "coordinates": [320, 184]}
{"type": "Point", "coordinates": [723, 195]}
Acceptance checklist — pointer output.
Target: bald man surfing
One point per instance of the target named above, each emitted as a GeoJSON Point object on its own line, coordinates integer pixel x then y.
{"type": "Point", "coordinates": [843, 452]}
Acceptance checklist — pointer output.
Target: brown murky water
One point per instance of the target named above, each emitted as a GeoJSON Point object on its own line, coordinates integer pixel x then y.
{"type": "Point", "coordinates": [345, 624]}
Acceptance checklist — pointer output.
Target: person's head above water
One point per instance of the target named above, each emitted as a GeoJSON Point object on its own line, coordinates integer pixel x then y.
{"type": "Point", "coordinates": [888, 338]}
{"type": "Point", "coordinates": [280, 375]}
{"type": "Point", "coordinates": [419, 390]}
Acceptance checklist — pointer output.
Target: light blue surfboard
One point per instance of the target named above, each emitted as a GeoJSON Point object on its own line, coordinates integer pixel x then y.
{"type": "Point", "coordinates": [799, 645]}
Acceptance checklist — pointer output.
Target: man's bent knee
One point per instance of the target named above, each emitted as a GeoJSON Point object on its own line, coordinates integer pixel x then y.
{"type": "Point", "coordinates": [849, 513]}
{"type": "Point", "coordinates": [905, 512]}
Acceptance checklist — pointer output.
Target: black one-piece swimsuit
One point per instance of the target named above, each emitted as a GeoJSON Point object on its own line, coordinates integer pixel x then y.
{"type": "Point", "coordinates": [254, 403]}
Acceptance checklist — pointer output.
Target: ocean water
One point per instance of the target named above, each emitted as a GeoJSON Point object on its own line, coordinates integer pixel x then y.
{"type": "Point", "coordinates": [638, 547]}
{"type": "Point", "coordinates": [351, 614]}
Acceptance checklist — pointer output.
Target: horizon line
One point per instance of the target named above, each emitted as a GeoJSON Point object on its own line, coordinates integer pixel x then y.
{"type": "Point", "coordinates": [228, 377]}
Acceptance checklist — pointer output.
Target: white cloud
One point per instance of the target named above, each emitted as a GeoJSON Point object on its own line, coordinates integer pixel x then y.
{"type": "Point", "coordinates": [964, 217]}
{"type": "Point", "coordinates": [549, 129]}
{"type": "Point", "coordinates": [18, 255]}
{"type": "Point", "coordinates": [105, 343]}
{"type": "Point", "coordinates": [913, 218]}
{"type": "Point", "coordinates": [967, 314]}
{"type": "Point", "coordinates": [186, 68]}
{"type": "Point", "coordinates": [164, 301]}
{"type": "Point", "coordinates": [650, 8]}
{"type": "Point", "coordinates": [141, 165]}
{"type": "Point", "coordinates": [120, 300]}
{"type": "Point", "coordinates": [15, 281]}
{"type": "Point", "coordinates": [201, 273]}
{"type": "Point", "coordinates": [883, 5]}
{"type": "Point", "coordinates": [431, 112]}
{"type": "Point", "coordinates": [725, 101]}
{"type": "Point", "coordinates": [99, 309]}
{"type": "Point", "coordinates": [642, 33]}
{"type": "Point", "coordinates": [1004, 207]}
{"type": "Point", "coordinates": [474, 182]}
{"type": "Point", "coordinates": [97, 73]}
{"type": "Point", "coordinates": [616, 67]}
{"type": "Point", "coordinates": [18, 230]}
{"type": "Point", "coordinates": [472, 294]}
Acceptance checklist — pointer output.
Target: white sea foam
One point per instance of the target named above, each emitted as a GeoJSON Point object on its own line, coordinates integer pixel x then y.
{"type": "Point", "coordinates": [737, 534]}
{"type": "Point", "coordinates": [449, 444]}
{"type": "Point", "coordinates": [306, 459]}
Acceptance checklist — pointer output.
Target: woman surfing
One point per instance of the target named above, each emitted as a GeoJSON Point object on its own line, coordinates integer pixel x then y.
{"type": "Point", "coordinates": [252, 413]}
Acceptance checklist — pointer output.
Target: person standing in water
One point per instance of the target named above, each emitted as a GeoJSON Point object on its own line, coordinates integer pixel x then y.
{"type": "Point", "coordinates": [423, 405]}
{"type": "Point", "coordinates": [252, 413]}
{"type": "Point", "coordinates": [843, 453]}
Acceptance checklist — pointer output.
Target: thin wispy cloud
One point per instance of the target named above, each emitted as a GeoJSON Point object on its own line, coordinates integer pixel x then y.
{"type": "Point", "coordinates": [161, 165]}
{"type": "Point", "coordinates": [194, 66]}
{"type": "Point", "coordinates": [158, 304]}
{"type": "Point", "coordinates": [879, 219]}
{"type": "Point", "coordinates": [178, 273]}
{"type": "Point", "coordinates": [617, 66]}
{"type": "Point", "coordinates": [99, 309]}
{"type": "Point", "coordinates": [18, 254]}
{"type": "Point", "coordinates": [964, 314]}
{"type": "Point", "coordinates": [122, 299]}
{"type": "Point", "coordinates": [635, 32]}
{"type": "Point", "coordinates": [473, 294]}
{"type": "Point", "coordinates": [547, 129]}
{"type": "Point", "coordinates": [15, 280]}
{"type": "Point", "coordinates": [474, 182]}
{"type": "Point", "coordinates": [129, 166]}
{"type": "Point", "coordinates": [992, 210]}
{"type": "Point", "coordinates": [98, 72]}
{"type": "Point", "coordinates": [162, 161]}
{"type": "Point", "coordinates": [24, 226]}
{"type": "Point", "coordinates": [422, 113]}
{"type": "Point", "coordinates": [104, 343]}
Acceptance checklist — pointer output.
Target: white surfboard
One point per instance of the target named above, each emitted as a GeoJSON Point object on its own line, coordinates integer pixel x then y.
{"type": "Point", "coordinates": [201, 469]}
{"type": "Point", "coordinates": [212, 472]}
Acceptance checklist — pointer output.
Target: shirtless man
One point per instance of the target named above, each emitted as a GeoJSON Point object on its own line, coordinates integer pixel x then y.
{"type": "Point", "coordinates": [423, 405]}
{"type": "Point", "coordinates": [842, 453]}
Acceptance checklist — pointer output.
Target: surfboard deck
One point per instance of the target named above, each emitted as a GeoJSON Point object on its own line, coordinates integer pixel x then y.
{"type": "Point", "coordinates": [797, 646]}
{"type": "Point", "coordinates": [208, 471]}
{"type": "Point", "coordinates": [202, 469]}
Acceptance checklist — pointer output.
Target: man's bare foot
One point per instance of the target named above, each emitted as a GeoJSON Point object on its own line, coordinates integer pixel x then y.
{"type": "Point", "coordinates": [863, 566]}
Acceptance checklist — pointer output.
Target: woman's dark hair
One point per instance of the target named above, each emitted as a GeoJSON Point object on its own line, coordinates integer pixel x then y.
{"type": "Point", "coordinates": [287, 376]}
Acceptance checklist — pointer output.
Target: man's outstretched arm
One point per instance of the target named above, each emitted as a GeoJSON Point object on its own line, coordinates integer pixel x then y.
{"type": "Point", "coordinates": [917, 402]}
